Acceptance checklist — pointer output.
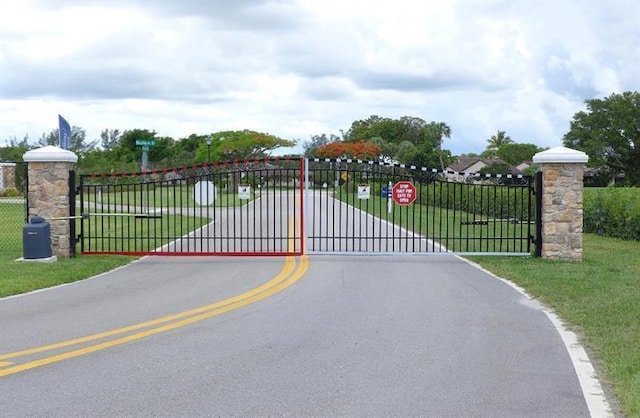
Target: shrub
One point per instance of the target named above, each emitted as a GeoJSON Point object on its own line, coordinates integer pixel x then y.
{"type": "Point", "coordinates": [11, 192]}
{"type": "Point", "coordinates": [612, 212]}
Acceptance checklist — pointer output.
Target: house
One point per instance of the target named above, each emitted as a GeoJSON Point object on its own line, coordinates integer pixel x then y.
{"type": "Point", "coordinates": [466, 167]}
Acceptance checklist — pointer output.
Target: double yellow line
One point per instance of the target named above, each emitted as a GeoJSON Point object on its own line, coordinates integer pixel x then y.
{"type": "Point", "coordinates": [294, 268]}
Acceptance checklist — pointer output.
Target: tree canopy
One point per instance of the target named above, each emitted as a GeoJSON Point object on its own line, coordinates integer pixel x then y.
{"type": "Point", "coordinates": [515, 154]}
{"type": "Point", "coordinates": [359, 150]}
{"type": "Point", "coordinates": [407, 140]}
{"type": "Point", "coordinates": [609, 132]}
{"type": "Point", "coordinates": [240, 145]}
{"type": "Point", "coordinates": [496, 142]}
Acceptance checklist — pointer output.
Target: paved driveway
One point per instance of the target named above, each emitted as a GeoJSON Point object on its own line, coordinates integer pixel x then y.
{"type": "Point", "coordinates": [327, 335]}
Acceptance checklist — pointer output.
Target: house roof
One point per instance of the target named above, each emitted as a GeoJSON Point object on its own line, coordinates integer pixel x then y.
{"type": "Point", "coordinates": [464, 163]}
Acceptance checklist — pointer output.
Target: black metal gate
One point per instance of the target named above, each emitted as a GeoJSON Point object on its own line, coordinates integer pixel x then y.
{"type": "Point", "coordinates": [234, 208]}
{"type": "Point", "coordinates": [372, 207]}
{"type": "Point", "coordinates": [295, 206]}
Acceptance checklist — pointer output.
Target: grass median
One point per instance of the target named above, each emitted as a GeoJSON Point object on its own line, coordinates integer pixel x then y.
{"type": "Point", "coordinates": [599, 298]}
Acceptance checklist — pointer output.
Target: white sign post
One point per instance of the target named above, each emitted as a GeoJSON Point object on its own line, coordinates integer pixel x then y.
{"type": "Point", "coordinates": [204, 193]}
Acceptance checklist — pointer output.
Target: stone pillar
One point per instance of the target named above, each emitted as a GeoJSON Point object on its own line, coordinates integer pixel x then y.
{"type": "Point", "coordinates": [7, 176]}
{"type": "Point", "coordinates": [562, 183]}
{"type": "Point", "coordinates": [49, 192]}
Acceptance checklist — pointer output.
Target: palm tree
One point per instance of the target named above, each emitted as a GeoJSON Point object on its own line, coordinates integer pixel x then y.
{"type": "Point", "coordinates": [441, 130]}
{"type": "Point", "coordinates": [498, 140]}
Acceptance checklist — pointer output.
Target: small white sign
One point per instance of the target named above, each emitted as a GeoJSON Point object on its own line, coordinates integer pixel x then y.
{"type": "Point", "coordinates": [204, 193]}
{"type": "Point", "coordinates": [244, 192]}
{"type": "Point", "coordinates": [364, 191]}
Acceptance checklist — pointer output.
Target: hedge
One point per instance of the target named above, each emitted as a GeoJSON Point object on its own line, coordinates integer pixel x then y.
{"type": "Point", "coordinates": [612, 212]}
{"type": "Point", "coordinates": [495, 202]}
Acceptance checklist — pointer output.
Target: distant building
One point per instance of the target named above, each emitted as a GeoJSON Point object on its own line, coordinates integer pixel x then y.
{"type": "Point", "coordinates": [466, 168]}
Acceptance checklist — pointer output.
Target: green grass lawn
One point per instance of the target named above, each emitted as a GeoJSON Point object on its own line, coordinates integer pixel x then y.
{"type": "Point", "coordinates": [11, 220]}
{"type": "Point", "coordinates": [599, 298]}
{"type": "Point", "coordinates": [454, 229]}
{"type": "Point", "coordinates": [122, 234]}
{"type": "Point", "coordinates": [21, 277]}
{"type": "Point", "coordinates": [159, 196]}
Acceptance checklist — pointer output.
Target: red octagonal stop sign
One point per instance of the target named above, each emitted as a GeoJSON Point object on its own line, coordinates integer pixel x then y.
{"type": "Point", "coordinates": [404, 193]}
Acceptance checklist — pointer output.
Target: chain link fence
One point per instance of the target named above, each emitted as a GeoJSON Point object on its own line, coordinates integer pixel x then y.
{"type": "Point", "coordinates": [13, 207]}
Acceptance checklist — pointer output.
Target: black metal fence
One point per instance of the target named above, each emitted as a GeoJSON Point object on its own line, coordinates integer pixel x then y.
{"type": "Point", "coordinates": [13, 207]}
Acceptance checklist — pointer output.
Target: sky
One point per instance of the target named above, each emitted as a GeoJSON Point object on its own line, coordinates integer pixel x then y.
{"type": "Point", "coordinates": [300, 68]}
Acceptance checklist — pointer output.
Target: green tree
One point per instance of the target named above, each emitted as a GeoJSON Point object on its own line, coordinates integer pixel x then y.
{"type": "Point", "coordinates": [77, 143]}
{"type": "Point", "coordinates": [375, 127]}
{"type": "Point", "coordinates": [426, 138]}
{"type": "Point", "coordinates": [388, 150]}
{"type": "Point", "coordinates": [110, 138]}
{"type": "Point", "coordinates": [497, 141]}
{"type": "Point", "coordinates": [406, 152]}
{"type": "Point", "coordinates": [310, 148]}
{"type": "Point", "coordinates": [15, 150]}
{"type": "Point", "coordinates": [99, 161]}
{"type": "Point", "coordinates": [183, 151]}
{"type": "Point", "coordinates": [240, 145]}
{"type": "Point", "coordinates": [440, 130]}
{"type": "Point", "coordinates": [609, 132]}
{"type": "Point", "coordinates": [515, 154]}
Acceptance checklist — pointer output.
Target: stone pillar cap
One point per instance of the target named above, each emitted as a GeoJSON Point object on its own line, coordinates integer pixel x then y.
{"type": "Point", "coordinates": [560, 155]}
{"type": "Point", "coordinates": [50, 154]}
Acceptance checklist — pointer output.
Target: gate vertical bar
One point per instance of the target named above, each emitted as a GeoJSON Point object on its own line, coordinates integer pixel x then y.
{"type": "Point", "coordinates": [72, 212]}
{"type": "Point", "coordinates": [538, 193]}
{"type": "Point", "coordinates": [82, 221]}
{"type": "Point", "coordinates": [26, 192]}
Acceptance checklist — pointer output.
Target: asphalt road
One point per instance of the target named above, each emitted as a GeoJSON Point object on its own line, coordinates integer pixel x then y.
{"type": "Point", "coordinates": [337, 335]}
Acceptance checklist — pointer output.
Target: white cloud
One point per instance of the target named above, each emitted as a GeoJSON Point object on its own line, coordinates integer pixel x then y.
{"type": "Point", "coordinates": [301, 68]}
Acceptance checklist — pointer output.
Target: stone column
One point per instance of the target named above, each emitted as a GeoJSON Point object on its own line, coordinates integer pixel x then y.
{"type": "Point", "coordinates": [49, 192]}
{"type": "Point", "coordinates": [562, 183]}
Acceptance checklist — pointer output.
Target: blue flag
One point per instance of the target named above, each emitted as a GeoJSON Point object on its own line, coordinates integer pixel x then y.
{"type": "Point", "coordinates": [64, 133]}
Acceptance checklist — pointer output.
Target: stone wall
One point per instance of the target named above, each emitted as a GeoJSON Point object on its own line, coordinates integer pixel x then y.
{"type": "Point", "coordinates": [7, 176]}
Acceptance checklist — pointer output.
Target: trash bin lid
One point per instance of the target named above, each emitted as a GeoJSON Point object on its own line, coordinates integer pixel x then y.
{"type": "Point", "coordinates": [37, 220]}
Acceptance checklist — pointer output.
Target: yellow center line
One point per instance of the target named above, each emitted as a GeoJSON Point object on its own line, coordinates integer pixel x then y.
{"type": "Point", "coordinates": [294, 277]}
{"type": "Point", "coordinates": [284, 279]}
{"type": "Point", "coordinates": [286, 271]}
